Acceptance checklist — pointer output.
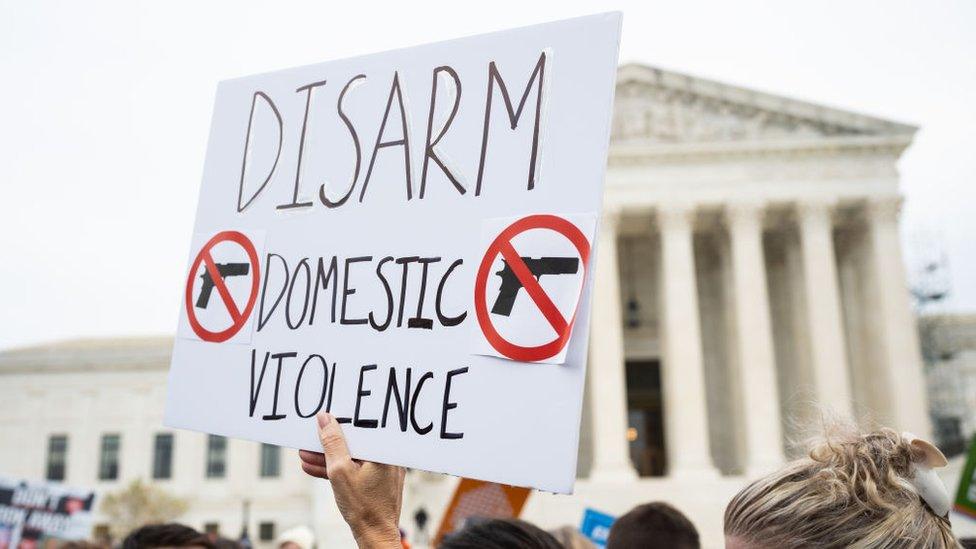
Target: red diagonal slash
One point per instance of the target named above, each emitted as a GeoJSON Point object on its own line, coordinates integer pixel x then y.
{"type": "Point", "coordinates": [221, 286]}
{"type": "Point", "coordinates": [532, 286]}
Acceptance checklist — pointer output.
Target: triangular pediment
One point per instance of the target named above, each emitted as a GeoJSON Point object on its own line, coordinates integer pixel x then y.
{"type": "Point", "coordinates": [657, 106]}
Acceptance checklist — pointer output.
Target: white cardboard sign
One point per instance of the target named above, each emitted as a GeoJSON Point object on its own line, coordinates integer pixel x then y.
{"type": "Point", "coordinates": [405, 240]}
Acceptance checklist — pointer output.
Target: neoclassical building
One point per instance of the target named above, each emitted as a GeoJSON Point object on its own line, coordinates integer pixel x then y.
{"type": "Point", "coordinates": [749, 282]}
{"type": "Point", "coordinates": [750, 276]}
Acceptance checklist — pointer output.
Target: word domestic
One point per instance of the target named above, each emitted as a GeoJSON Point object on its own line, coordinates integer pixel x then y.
{"type": "Point", "coordinates": [299, 287]}
{"type": "Point", "coordinates": [524, 107]}
{"type": "Point", "coordinates": [400, 393]}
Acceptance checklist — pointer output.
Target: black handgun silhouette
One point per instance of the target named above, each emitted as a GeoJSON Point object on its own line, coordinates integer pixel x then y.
{"type": "Point", "coordinates": [542, 266]}
{"type": "Point", "coordinates": [225, 270]}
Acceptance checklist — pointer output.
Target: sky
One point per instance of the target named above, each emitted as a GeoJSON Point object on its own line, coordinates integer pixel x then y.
{"type": "Point", "coordinates": [105, 110]}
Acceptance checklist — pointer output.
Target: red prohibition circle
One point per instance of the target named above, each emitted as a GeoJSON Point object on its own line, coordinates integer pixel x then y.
{"type": "Point", "coordinates": [498, 246]}
{"type": "Point", "coordinates": [239, 317]}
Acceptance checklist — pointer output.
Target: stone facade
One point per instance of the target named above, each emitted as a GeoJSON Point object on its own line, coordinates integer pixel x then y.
{"type": "Point", "coordinates": [749, 277]}
{"type": "Point", "coordinates": [949, 341]}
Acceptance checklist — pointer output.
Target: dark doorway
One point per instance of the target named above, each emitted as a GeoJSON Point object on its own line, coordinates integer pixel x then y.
{"type": "Point", "coordinates": [645, 417]}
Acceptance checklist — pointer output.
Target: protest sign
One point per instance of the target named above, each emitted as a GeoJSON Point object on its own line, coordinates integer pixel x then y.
{"type": "Point", "coordinates": [475, 500]}
{"type": "Point", "coordinates": [405, 241]}
{"type": "Point", "coordinates": [966, 494]}
{"type": "Point", "coordinates": [32, 512]}
{"type": "Point", "coordinates": [596, 526]}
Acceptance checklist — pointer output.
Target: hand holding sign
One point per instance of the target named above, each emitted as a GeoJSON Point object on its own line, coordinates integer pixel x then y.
{"type": "Point", "coordinates": [369, 495]}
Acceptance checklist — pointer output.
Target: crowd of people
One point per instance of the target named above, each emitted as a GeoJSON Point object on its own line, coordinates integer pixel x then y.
{"type": "Point", "coordinates": [853, 489]}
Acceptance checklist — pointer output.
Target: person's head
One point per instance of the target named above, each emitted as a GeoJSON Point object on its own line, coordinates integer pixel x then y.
{"type": "Point", "coordinates": [570, 537]}
{"type": "Point", "coordinates": [166, 535]}
{"type": "Point", "coordinates": [299, 537]}
{"type": "Point", "coordinates": [501, 534]}
{"type": "Point", "coordinates": [854, 490]}
{"type": "Point", "coordinates": [80, 544]}
{"type": "Point", "coordinates": [653, 525]}
{"type": "Point", "coordinates": [225, 543]}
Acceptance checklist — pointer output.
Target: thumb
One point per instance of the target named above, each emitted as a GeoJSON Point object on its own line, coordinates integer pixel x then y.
{"type": "Point", "coordinates": [333, 442]}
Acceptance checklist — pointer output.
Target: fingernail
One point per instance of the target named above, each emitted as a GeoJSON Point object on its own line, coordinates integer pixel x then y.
{"type": "Point", "coordinates": [323, 418]}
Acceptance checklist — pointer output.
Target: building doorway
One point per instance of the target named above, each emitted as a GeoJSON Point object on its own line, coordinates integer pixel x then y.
{"type": "Point", "coordinates": [645, 417]}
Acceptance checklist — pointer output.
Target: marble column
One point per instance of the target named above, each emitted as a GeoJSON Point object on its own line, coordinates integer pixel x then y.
{"type": "Point", "coordinates": [824, 322]}
{"type": "Point", "coordinates": [608, 386]}
{"type": "Point", "coordinates": [900, 354]}
{"type": "Point", "coordinates": [754, 342]}
{"type": "Point", "coordinates": [683, 379]}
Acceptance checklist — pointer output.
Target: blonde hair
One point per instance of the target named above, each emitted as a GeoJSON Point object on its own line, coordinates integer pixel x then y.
{"type": "Point", "coordinates": [852, 490]}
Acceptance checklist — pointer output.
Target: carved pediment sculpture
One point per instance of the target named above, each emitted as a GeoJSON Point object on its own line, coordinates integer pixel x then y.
{"type": "Point", "coordinates": [655, 106]}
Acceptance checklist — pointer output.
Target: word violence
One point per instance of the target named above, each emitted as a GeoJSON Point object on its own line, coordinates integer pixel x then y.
{"type": "Point", "coordinates": [400, 392]}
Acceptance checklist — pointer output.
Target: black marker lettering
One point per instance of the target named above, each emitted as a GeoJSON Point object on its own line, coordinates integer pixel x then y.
{"type": "Point", "coordinates": [429, 152]}
{"type": "Point", "coordinates": [389, 298]}
{"type": "Point", "coordinates": [402, 403]}
{"type": "Point", "coordinates": [355, 141]}
{"type": "Point", "coordinates": [448, 405]}
{"type": "Point", "coordinates": [360, 393]}
{"type": "Point", "coordinates": [274, 406]}
{"type": "Point", "coordinates": [418, 321]}
{"type": "Point", "coordinates": [322, 280]}
{"type": "Point", "coordinates": [262, 320]}
{"type": "Point", "coordinates": [256, 392]}
{"type": "Point", "coordinates": [301, 147]}
{"type": "Point", "coordinates": [241, 205]}
{"type": "Point", "coordinates": [405, 262]}
{"type": "Point", "coordinates": [538, 76]}
{"type": "Point", "coordinates": [404, 141]}
{"type": "Point", "coordinates": [325, 385]}
{"type": "Point", "coordinates": [447, 320]}
{"type": "Point", "coordinates": [328, 403]}
{"type": "Point", "coordinates": [291, 288]}
{"type": "Point", "coordinates": [346, 291]}
{"type": "Point", "coordinates": [413, 405]}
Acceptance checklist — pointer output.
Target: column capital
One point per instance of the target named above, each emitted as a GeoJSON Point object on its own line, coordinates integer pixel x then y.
{"type": "Point", "coordinates": [743, 212]}
{"type": "Point", "coordinates": [884, 208]}
{"type": "Point", "coordinates": [675, 214]}
{"type": "Point", "coordinates": [815, 208]}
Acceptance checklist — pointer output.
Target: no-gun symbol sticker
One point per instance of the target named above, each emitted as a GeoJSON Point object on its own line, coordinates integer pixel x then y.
{"type": "Point", "coordinates": [214, 276]}
{"type": "Point", "coordinates": [523, 271]}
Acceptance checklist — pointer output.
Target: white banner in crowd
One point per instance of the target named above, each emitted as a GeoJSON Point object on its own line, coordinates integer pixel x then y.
{"type": "Point", "coordinates": [405, 240]}
{"type": "Point", "coordinates": [33, 512]}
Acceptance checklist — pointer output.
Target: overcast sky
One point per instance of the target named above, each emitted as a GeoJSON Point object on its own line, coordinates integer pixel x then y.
{"type": "Point", "coordinates": [105, 109]}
